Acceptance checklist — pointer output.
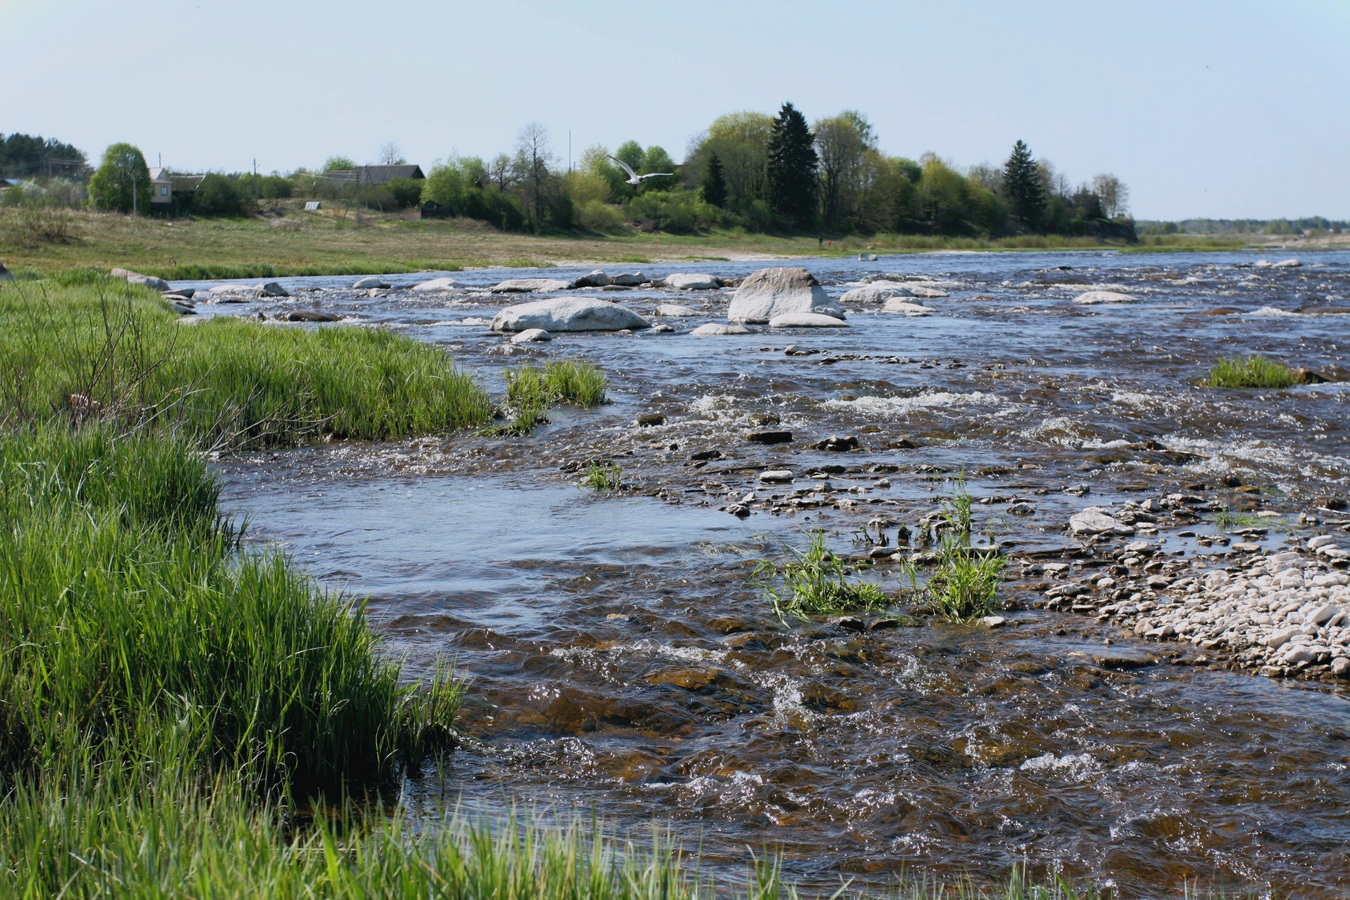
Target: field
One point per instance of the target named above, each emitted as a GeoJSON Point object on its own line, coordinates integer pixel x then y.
{"type": "Point", "coordinates": [330, 242]}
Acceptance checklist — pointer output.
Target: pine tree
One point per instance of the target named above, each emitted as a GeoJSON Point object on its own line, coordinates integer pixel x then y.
{"type": "Point", "coordinates": [715, 182]}
{"type": "Point", "coordinates": [1022, 188]}
{"type": "Point", "coordinates": [792, 168]}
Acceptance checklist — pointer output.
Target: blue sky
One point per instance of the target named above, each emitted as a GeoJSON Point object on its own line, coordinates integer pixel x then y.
{"type": "Point", "coordinates": [1230, 108]}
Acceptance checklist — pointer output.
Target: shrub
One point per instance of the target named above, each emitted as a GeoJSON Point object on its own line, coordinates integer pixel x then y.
{"type": "Point", "coordinates": [597, 215]}
{"type": "Point", "coordinates": [404, 192]}
{"type": "Point", "coordinates": [217, 195]}
{"type": "Point", "coordinates": [1249, 372]}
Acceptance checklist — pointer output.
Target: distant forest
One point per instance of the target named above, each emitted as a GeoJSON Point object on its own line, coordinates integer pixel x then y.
{"type": "Point", "coordinates": [27, 156]}
{"type": "Point", "coordinates": [1310, 225]}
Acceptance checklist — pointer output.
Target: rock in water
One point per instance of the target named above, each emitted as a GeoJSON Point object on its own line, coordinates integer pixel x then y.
{"type": "Point", "coordinates": [873, 293]}
{"type": "Point", "coordinates": [371, 282]}
{"type": "Point", "coordinates": [273, 289]}
{"type": "Point", "coordinates": [436, 284]}
{"type": "Point", "coordinates": [150, 281]}
{"type": "Point", "coordinates": [1094, 520]}
{"type": "Point", "coordinates": [531, 336]}
{"type": "Point", "coordinates": [775, 292]}
{"type": "Point", "coordinates": [530, 285]}
{"type": "Point", "coordinates": [568, 314]}
{"type": "Point", "coordinates": [687, 281]}
{"type": "Point", "coordinates": [718, 329]}
{"type": "Point", "coordinates": [674, 310]}
{"type": "Point", "coordinates": [806, 320]}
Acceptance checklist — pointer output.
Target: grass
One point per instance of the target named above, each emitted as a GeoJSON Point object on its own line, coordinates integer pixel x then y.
{"type": "Point", "coordinates": [606, 476]}
{"type": "Point", "coordinates": [816, 582]}
{"type": "Point", "coordinates": [964, 585]}
{"type": "Point", "coordinates": [325, 244]}
{"type": "Point", "coordinates": [1249, 372]}
{"type": "Point", "coordinates": [530, 391]}
{"type": "Point", "coordinates": [115, 352]}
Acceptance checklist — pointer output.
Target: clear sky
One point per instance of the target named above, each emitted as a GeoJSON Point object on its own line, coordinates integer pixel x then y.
{"type": "Point", "coordinates": [1217, 108]}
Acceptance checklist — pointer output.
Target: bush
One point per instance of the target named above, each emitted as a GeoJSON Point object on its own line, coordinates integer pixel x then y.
{"type": "Point", "coordinates": [597, 215]}
{"type": "Point", "coordinates": [217, 195]}
{"type": "Point", "coordinates": [405, 192]}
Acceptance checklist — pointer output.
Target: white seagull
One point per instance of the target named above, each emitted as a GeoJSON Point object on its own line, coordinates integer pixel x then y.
{"type": "Point", "coordinates": [635, 178]}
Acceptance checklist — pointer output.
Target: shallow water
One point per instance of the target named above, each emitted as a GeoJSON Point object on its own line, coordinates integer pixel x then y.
{"type": "Point", "coordinates": [624, 661]}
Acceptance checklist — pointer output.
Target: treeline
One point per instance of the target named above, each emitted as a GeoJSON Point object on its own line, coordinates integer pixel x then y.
{"type": "Point", "coordinates": [33, 156]}
{"type": "Point", "coordinates": [1311, 225]}
{"type": "Point", "coordinates": [775, 173]}
{"type": "Point", "coordinates": [748, 170]}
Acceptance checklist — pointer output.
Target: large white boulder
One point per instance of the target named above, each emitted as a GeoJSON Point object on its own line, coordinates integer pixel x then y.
{"type": "Point", "coordinates": [774, 292]}
{"type": "Point", "coordinates": [531, 285]}
{"type": "Point", "coordinates": [568, 314]}
{"type": "Point", "coordinates": [688, 281]}
{"type": "Point", "coordinates": [370, 283]}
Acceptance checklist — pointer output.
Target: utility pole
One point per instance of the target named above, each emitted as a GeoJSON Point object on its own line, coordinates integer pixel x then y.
{"type": "Point", "coordinates": [255, 178]}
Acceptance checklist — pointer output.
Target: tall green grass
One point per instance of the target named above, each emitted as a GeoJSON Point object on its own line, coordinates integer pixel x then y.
{"type": "Point", "coordinates": [1249, 372]}
{"type": "Point", "coordinates": [127, 617]}
{"type": "Point", "coordinates": [115, 352]}
{"type": "Point", "coordinates": [530, 391]}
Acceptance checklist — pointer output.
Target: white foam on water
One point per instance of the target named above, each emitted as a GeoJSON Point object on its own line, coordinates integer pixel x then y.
{"type": "Point", "coordinates": [1222, 457]}
{"type": "Point", "coordinates": [1270, 312]}
{"type": "Point", "coordinates": [1080, 767]}
{"type": "Point", "coordinates": [899, 407]}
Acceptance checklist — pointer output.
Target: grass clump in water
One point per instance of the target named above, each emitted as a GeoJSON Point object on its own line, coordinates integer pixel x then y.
{"type": "Point", "coordinates": [1250, 372]}
{"type": "Point", "coordinates": [816, 582]}
{"type": "Point", "coordinates": [530, 391]}
{"type": "Point", "coordinates": [964, 585]}
{"type": "Point", "coordinates": [606, 476]}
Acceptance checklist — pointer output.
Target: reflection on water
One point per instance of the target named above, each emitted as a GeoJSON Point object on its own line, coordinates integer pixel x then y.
{"type": "Point", "coordinates": [624, 661]}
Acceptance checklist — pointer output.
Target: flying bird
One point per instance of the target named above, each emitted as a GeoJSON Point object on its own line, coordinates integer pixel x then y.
{"type": "Point", "coordinates": [635, 178]}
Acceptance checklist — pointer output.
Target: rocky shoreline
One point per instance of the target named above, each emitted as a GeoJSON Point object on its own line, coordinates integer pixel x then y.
{"type": "Point", "coordinates": [1283, 614]}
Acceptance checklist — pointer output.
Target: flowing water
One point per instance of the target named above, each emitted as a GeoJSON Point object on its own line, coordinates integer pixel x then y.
{"type": "Point", "coordinates": [625, 663]}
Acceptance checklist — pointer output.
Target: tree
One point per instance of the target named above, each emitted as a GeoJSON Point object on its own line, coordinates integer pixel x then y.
{"type": "Point", "coordinates": [391, 154]}
{"type": "Point", "coordinates": [122, 182]}
{"type": "Point", "coordinates": [741, 143]}
{"type": "Point", "coordinates": [1022, 187]}
{"type": "Point", "coordinates": [842, 143]}
{"type": "Point", "coordinates": [533, 156]}
{"type": "Point", "coordinates": [792, 168]}
{"type": "Point", "coordinates": [715, 183]}
{"type": "Point", "coordinates": [337, 163]}
{"type": "Point", "coordinates": [1115, 196]}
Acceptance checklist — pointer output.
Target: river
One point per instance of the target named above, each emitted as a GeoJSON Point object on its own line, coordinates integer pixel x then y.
{"type": "Point", "coordinates": [625, 663]}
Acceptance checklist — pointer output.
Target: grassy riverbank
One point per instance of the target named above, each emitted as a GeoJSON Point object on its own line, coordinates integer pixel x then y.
{"type": "Point", "coordinates": [110, 351]}
{"type": "Point", "coordinates": [324, 244]}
